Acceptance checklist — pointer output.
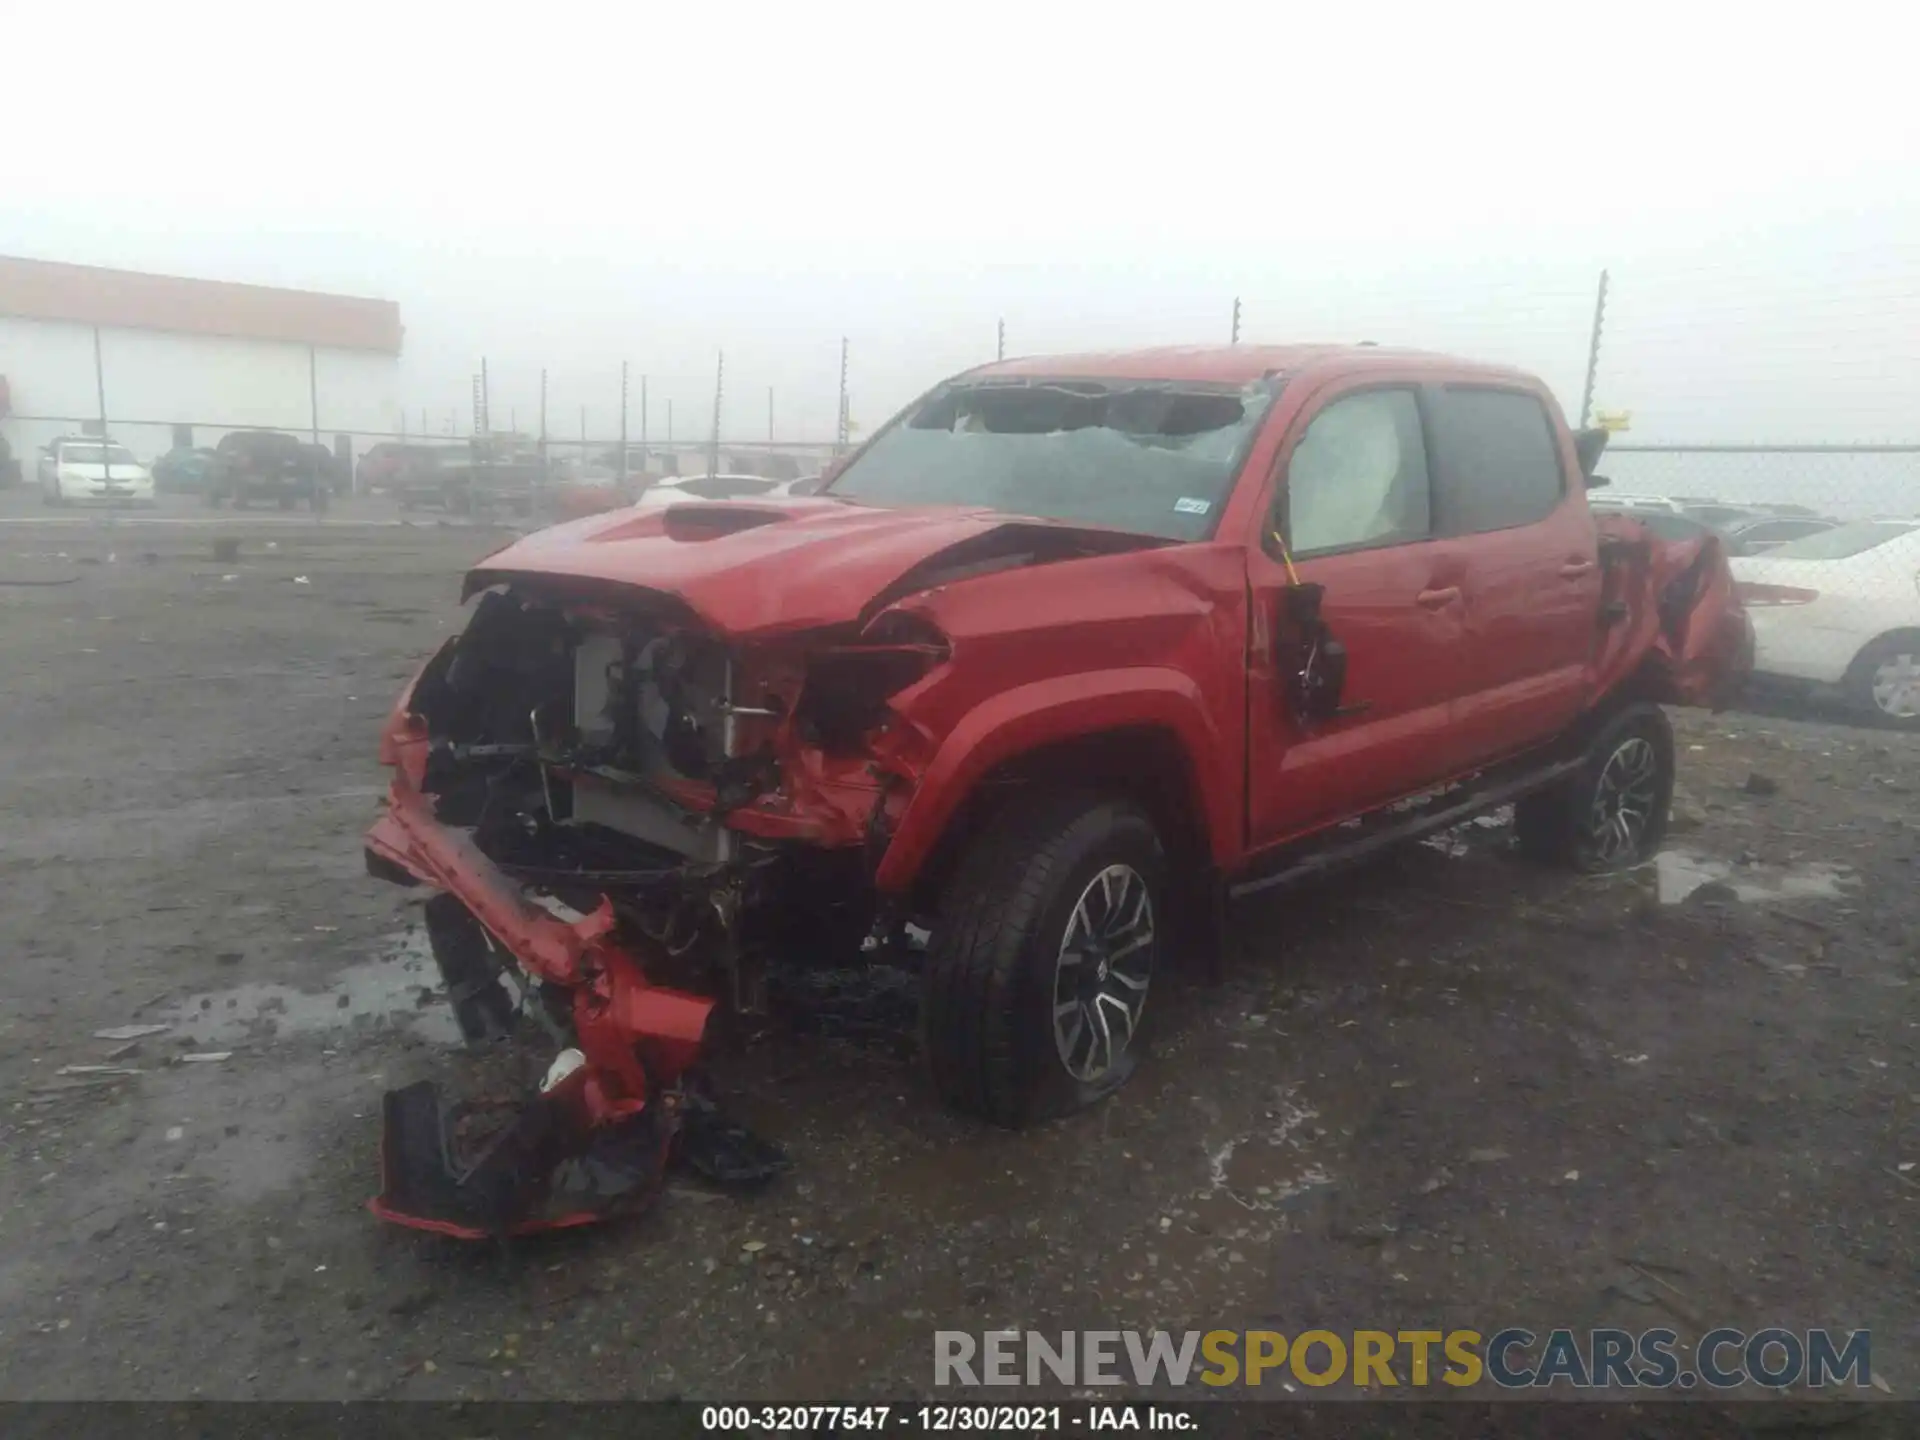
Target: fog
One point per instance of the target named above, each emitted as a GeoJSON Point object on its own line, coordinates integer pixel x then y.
{"type": "Point", "coordinates": [586, 184]}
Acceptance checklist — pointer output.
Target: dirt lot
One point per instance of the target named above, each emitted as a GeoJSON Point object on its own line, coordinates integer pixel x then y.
{"type": "Point", "coordinates": [1452, 1088]}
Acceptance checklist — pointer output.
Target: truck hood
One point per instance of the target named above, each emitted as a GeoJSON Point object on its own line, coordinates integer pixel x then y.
{"type": "Point", "coordinates": [751, 567]}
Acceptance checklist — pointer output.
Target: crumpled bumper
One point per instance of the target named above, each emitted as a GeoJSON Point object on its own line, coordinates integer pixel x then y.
{"type": "Point", "coordinates": [581, 1150]}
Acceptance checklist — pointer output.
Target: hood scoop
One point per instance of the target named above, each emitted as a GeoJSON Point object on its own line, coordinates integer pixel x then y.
{"type": "Point", "coordinates": [691, 522]}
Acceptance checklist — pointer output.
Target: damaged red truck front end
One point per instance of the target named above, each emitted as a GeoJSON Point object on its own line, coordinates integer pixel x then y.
{"type": "Point", "coordinates": [676, 754]}
{"type": "Point", "coordinates": [634, 794]}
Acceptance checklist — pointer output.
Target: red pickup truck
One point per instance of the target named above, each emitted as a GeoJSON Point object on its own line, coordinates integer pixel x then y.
{"type": "Point", "coordinates": [1062, 660]}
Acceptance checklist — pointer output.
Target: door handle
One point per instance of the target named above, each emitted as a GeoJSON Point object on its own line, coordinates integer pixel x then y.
{"type": "Point", "coordinates": [1434, 599]}
{"type": "Point", "coordinates": [1574, 569]}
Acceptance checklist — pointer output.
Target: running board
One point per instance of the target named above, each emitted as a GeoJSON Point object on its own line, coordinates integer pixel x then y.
{"type": "Point", "coordinates": [1319, 854]}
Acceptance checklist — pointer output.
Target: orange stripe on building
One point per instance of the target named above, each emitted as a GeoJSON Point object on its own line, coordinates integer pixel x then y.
{"type": "Point", "coordinates": [130, 300]}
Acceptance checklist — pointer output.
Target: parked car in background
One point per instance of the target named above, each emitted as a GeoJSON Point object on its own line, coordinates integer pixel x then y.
{"type": "Point", "coordinates": [265, 465]}
{"type": "Point", "coordinates": [92, 472]}
{"type": "Point", "coordinates": [1719, 513]}
{"type": "Point", "coordinates": [1840, 610]}
{"type": "Point", "coordinates": [1608, 499]}
{"type": "Point", "coordinates": [1667, 524]}
{"type": "Point", "coordinates": [330, 469]}
{"type": "Point", "coordinates": [418, 475]}
{"type": "Point", "coordinates": [593, 489]}
{"type": "Point", "coordinates": [469, 479]}
{"type": "Point", "coordinates": [1757, 534]}
{"type": "Point", "coordinates": [185, 469]}
{"type": "Point", "coordinates": [387, 460]}
{"type": "Point", "coordinates": [677, 489]}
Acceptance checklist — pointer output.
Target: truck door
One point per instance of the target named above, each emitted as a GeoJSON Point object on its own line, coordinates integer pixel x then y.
{"type": "Point", "coordinates": [1507, 491]}
{"type": "Point", "coordinates": [1352, 500]}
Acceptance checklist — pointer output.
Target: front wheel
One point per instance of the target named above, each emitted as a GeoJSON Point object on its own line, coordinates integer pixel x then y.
{"type": "Point", "coordinates": [1041, 958]}
{"type": "Point", "coordinates": [1611, 813]}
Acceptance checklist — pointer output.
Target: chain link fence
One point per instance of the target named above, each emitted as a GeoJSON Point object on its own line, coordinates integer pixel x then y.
{"type": "Point", "coordinates": [1770, 402]}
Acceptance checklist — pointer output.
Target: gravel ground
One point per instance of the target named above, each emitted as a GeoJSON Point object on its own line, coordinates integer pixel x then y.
{"type": "Point", "coordinates": [1449, 1088]}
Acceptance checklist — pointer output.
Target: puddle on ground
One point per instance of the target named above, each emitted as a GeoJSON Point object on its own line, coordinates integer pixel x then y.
{"type": "Point", "coordinates": [1237, 1167]}
{"type": "Point", "coordinates": [1679, 873]}
{"type": "Point", "coordinates": [399, 989]}
{"type": "Point", "coordinates": [1459, 841]}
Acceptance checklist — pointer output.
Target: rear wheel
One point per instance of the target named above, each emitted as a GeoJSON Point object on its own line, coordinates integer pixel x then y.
{"type": "Point", "coordinates": [1611, 813]}
{"type": "Point", "coordinates": [1041, 958]}
{"type": "Point", "coordinates": [1884, 680]}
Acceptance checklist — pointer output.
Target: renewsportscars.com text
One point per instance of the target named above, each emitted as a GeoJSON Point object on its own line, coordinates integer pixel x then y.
{"type": "Point", "coordinates": [1513, 1358]}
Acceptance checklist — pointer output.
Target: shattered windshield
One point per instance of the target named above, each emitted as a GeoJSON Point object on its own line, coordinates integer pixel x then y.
{"type": "Point", "coordinates": [1155, 458]}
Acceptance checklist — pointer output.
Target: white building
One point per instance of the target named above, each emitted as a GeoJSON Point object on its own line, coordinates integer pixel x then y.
{"type": "Point", "coordinates": [187, 360]}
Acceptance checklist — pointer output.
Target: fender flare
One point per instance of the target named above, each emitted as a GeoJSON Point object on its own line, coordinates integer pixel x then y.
{"type": "Point", "coordinates": [1047, 712]}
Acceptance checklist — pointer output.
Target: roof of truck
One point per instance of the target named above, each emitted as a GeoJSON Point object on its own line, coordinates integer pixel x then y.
{"type": "Point", "coordinates": [1229, 364]}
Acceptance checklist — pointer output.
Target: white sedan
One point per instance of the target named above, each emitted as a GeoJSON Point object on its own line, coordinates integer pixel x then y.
{"type": "Point", "coordinates": [677, 489]}
{"type": "Point", "coordinates": [1841, 609]}
{"type": "Point", "coordinates": [75, 471]}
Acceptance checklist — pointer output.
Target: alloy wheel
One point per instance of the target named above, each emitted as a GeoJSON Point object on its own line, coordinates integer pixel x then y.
{"type": "Point", "coordinates": [1101, 976]}
{"type": "Point", "coordinates": [1896, 686]}
{"type": "Point", "coordinates": [1624, 800]}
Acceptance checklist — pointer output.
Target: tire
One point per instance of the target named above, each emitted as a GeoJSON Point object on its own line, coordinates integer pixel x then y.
{"type": "Point", "coordinates": [1628, 770]}
{"type": "Point", "coordinates": [1884, 680]}
{"type": "Point", "coordinates": [995, 1046]}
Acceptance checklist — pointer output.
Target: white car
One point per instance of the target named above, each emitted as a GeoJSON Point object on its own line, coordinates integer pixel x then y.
{"type": "Point", "coordinates": [87, 471]}
{"type": "Point", "coordinates": [1842, 609]}
{"type": "Point", "coordinates": [1604, 499]}
{"type": "Point", "coordinates": [677, 489]}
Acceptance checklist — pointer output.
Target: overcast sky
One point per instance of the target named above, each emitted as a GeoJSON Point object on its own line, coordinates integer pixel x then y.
{"type": "Point", "coordinates": [570, 185]}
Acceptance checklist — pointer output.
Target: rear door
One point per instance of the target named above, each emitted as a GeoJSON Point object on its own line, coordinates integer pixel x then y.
{"type": "Point", "coordinates": [1506, 490]}
{"type": "Point", "coordinates": [1353, 503]}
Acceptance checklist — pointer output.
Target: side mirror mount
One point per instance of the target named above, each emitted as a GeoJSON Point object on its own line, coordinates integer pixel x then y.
{"type": "Point", "coordinates": [1589, 445]}
{"type": "Point", "coordinates": [1312, 662]}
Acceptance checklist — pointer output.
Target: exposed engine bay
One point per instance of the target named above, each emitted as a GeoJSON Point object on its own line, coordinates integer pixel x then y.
{"type": "Point", "coordinates": [598, 755]}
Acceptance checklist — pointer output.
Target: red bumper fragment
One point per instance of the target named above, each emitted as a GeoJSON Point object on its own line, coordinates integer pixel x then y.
{"type": "Point", "coordinates": [639, 1039]}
